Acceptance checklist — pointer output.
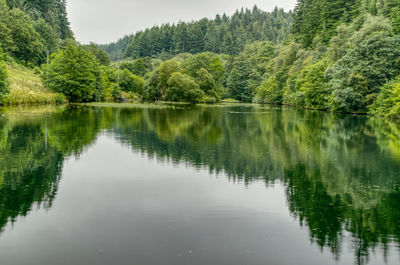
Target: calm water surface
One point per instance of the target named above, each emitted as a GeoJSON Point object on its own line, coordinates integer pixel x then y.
{"type": "Point", "coordinates": [176, 185]}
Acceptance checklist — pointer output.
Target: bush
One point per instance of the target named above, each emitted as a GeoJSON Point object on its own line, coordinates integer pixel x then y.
{"type": "Point", "coordinates": [116, 92]}
{"type": "Point", "coordinates": [388, 101]}
{"type": "Point", "coordinates": [182, 88]}
{"type": "Point", "coordinates": [269, 92]}
{"type": "Point", "coordinates": [60, 99]}
{"type": "Point", "coordinates": [209, 100]}
{"type": "Point", "coordinates": [130, 82]}
{"type": "Point", "coordinates": [76, 73]}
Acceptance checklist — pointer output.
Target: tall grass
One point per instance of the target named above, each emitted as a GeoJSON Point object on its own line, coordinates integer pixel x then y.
{"type": "Point", "coordinates": [27, 88]}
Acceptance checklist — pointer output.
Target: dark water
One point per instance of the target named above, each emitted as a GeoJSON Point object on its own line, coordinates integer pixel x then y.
{"type": "Point", "coordinates": [197, 185]}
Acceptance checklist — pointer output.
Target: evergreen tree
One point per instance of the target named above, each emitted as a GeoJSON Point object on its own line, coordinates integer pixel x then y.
{"type": "Point", "coordinates": [221, 35]}
{"type": "Point", "coordinates": [28, 47]}
{"type": "Point", "coordinates": [238, 80]}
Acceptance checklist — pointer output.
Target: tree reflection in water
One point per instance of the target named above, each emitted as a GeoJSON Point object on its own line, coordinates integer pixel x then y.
{"type": "Point", "coordinates": [341, 173]}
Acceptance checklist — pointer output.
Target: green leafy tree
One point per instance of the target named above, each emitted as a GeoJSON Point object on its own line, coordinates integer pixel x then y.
{"type": "Point", "coordinates": [130, 82]}
{"type": "Point", "coordinates": [101, 55]}
{"type": "Point", "coordinates": [269, 92]}
{"type": "Point", "coordinates": [139, 67]}
{"type": "Point", "coordinates": [159, 78]}
{"type": "Point", "coordinates": [312, 90]}
{"type": "Point", "coordinates": [76, 73]}
{"type": "Point", "coordinates": [388, 101]}
{"type": "Point", "coordinates": [6, 40]}
{"type": "Point", "coordinates": [28, 47]}
{"type": "Point", "coordinates": [182, 88]}
{"type": "Point", "coordinates": [49, 37]}
{"type": "Point", "coordinates": [355, 80]}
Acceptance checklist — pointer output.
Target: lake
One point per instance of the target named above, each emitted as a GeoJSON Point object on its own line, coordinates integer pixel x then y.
{"type": "Point", "coordinates": [181, 185]}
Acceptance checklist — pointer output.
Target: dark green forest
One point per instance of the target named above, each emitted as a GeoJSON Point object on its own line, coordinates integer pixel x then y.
{"type": "Point", "coordinates": [222, 35]}
{"type": "Point", "coordinates": [29, 28]}
{"type": "Point", "coordinates": [334, 55]}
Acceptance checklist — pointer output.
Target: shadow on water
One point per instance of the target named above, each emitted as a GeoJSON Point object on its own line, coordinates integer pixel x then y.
{"type": "Point", "coordinates": [341, 173]}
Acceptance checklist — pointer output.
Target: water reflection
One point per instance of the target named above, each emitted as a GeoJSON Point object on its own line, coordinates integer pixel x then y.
{"type": "Point", "coordinates": [341, 173]}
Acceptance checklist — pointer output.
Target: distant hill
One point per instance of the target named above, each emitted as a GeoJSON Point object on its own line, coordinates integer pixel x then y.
{"type": "Point", "coordinates": [223, 34]}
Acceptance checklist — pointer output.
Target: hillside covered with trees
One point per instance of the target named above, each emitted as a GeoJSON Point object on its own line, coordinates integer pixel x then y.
{"type": "Point", "coordinates": [340, 56]}
{"type": "Point", "coordinates": [223, 35]}
{"type": "Point", "coordinates": [28, 30]}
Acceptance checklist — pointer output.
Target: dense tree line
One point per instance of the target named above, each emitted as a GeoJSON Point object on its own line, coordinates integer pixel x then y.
{"type": "Point", "coordinates": [28, 28]}
{"type": "Point", "coordinates": [54, 13]}
{"type": "Point", "coordinates": [342, 68]}
{"type": "Point", "coordinates": [224, 34]}
{"type": "Point", "coordinates": [341, 56]}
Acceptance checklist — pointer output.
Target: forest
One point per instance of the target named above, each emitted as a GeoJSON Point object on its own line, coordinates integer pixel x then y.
{"type": "Point", "coordinates": [333, 55]}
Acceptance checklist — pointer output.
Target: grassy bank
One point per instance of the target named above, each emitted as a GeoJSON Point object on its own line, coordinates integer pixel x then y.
{"type": "Point", "coordinates": [27, 88]}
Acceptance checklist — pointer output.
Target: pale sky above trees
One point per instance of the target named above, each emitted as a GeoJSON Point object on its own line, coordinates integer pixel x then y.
{"type": "Point", "coordinates": [104, 21]}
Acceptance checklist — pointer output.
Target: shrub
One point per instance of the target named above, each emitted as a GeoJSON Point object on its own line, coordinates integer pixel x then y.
{"type": "Point", "coordinates": [388, 101]}
{"type": "Point", "coordinates": [209, 100]}
{"type": "Point", "coordinates": [182, 88]}
{"type": "Point", "coordinates": [130, 82]}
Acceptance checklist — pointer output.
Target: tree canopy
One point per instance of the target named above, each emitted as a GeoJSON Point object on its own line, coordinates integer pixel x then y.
{"type": "Point", "coordinates": [223, 34]}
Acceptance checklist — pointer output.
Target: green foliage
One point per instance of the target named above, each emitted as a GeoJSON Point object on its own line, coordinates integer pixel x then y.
{"type": "Point", "coordinates": [182, 88]}
{"type": "Point", "coordinates": [356, 78]}
{"type": "Point", "coordinates": [269, 92]}
{"type": "Point", "coordinates": [52, 11]}
{"type": "Point", "coordinates": [391, 9]}
{"type": "Point", "coordinates": [130, 82]}
{"type": "Point", "coordinates": [76, 73]}
{"type": "Point", "coordinates": [28, 28]}
{"type": "Point", "coordinates": [112, 91]}
{"type": "Point", "coordinates": [321, 17]}
{"type": "Point", "coordinates": [388, 101]}
{"type": "Point", "coordinates": [158, 81]}
{"type": "Point", "coordinates": [208, 71]}
{"type": "Point", "coordinates": [220, 35]}
{"type": "Point", "coordinates": [139, 67]}
{"type": "Point", "coordinates": [351, 36]}
{"type": "Point", "coordinates": [49, 37]}
{"type": "Point", "coordinates": [27, 41]}
{"type": "Point", "coordinates": [6, 40]}
{"type": "Point", "coordinates": [101, 55]}
{"type": "Point", "coordinates": [312, 90]}
{"type": "Point", "coordinates": [238, 80]}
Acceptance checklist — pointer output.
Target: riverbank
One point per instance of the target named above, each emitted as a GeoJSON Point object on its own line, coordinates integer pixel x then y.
{"type": "Point", "coordinates": [26, 88]}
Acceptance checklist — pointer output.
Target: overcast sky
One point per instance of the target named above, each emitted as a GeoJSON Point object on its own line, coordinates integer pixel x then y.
{"type": "Point", "coordinates": [104, 21]}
